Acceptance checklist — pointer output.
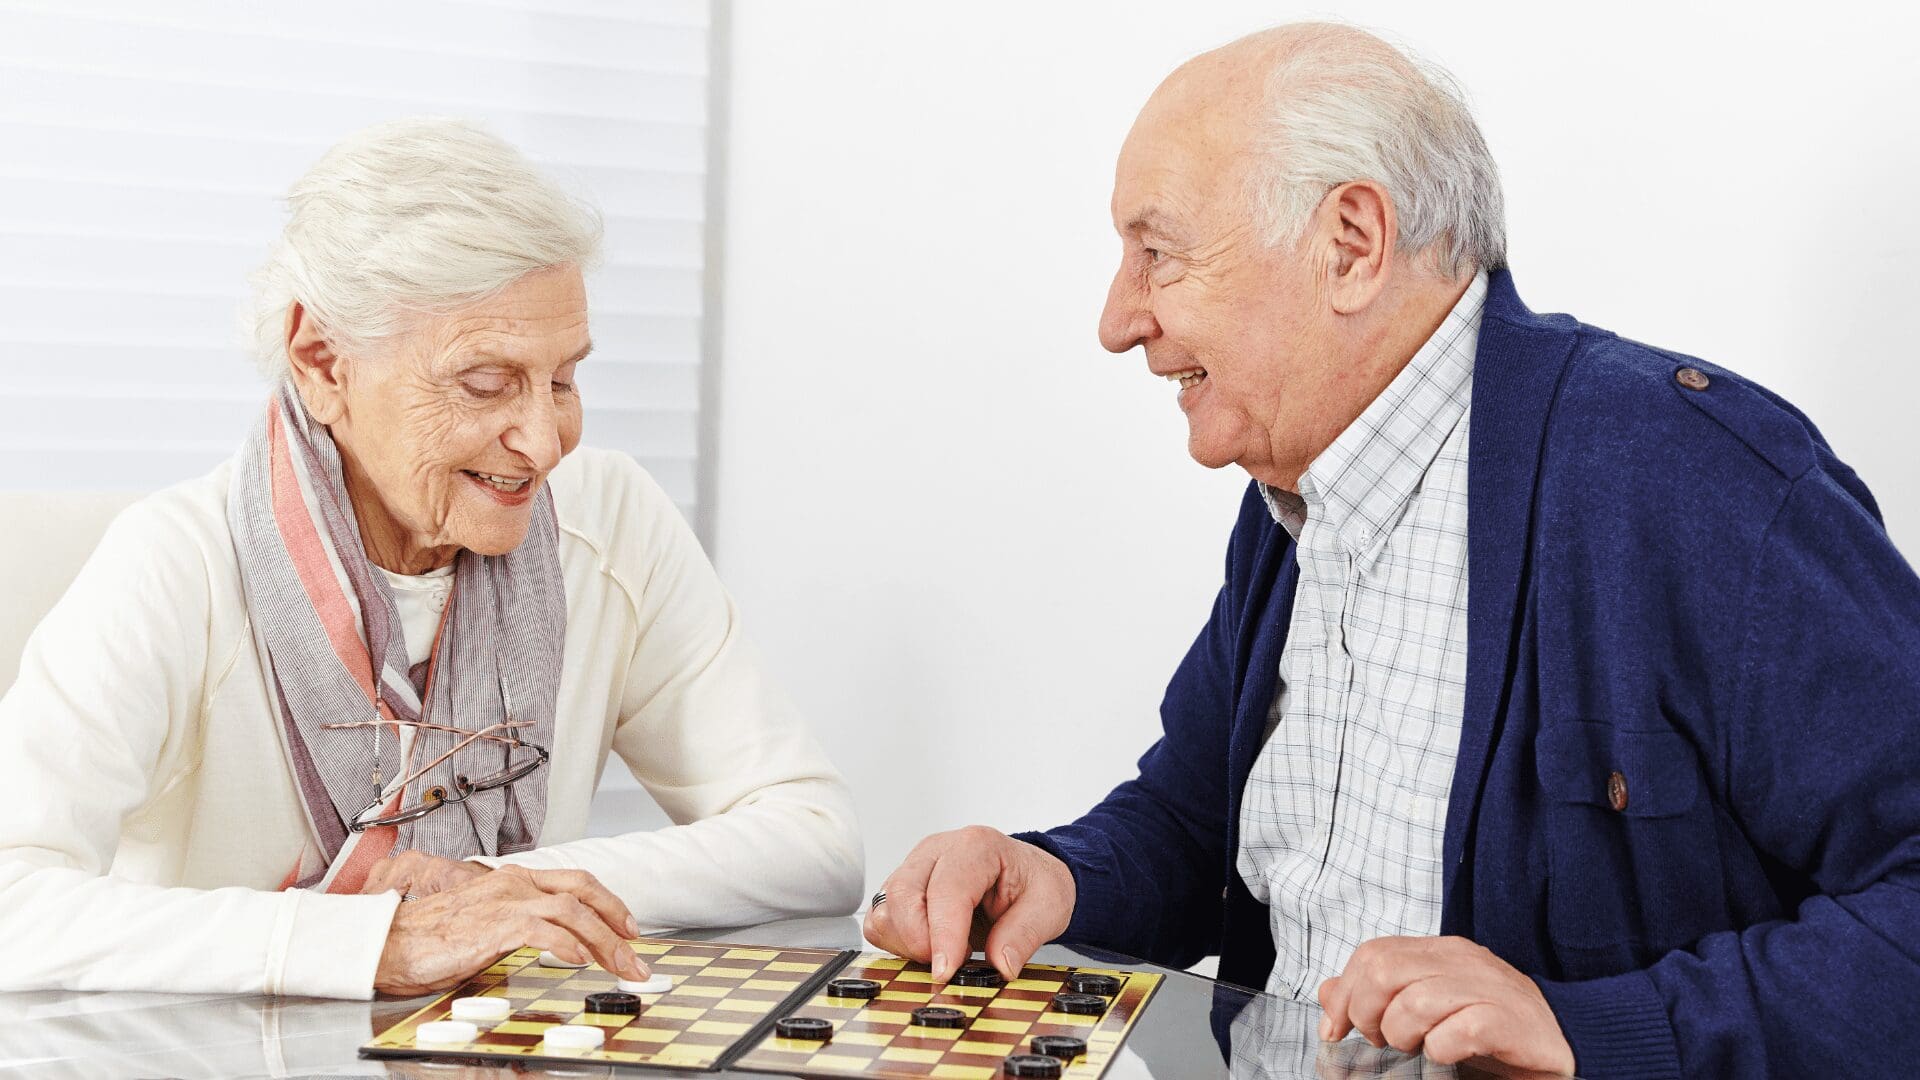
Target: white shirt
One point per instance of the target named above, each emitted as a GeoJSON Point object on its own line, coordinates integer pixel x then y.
{"type": "Point", "coordinates": [421, 599]}
{"type": "Point", "coordinates": [1345, 810]}
{"type": "Point", "coordinates": [148, 816]}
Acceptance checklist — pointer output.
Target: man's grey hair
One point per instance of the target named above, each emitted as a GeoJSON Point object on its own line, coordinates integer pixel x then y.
{"type": "Point", "coordinates": [407, 219]}
{"type": "Point", "coordinates": [1342, 105]}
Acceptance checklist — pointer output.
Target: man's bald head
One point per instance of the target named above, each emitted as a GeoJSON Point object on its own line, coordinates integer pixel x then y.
{"type": "Point", "coordinates": [1297, 211]}
{"type": "Point", "coordinates": [1295, 110]}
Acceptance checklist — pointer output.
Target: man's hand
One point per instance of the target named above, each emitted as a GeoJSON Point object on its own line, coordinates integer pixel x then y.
{"type": "Point", "coordinates": [1023, 894]}
{"type": "Point", "coordinates": [412, 873]}
{"type": "Point", "coordinates": [437, 941]}
{"type": "Point", "coordinates": [1449, 999]}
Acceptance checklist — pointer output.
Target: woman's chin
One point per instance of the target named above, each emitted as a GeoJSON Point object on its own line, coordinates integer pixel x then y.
{"type": "Point", "coordinates": [497, 533]}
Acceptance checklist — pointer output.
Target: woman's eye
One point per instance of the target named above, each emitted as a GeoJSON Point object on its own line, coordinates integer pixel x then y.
{"type": "Point", "coordinates": [486, 386]}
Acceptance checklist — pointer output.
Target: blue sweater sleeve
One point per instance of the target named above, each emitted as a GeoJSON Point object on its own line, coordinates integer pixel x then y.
{"type": "Point", "coordinates": [1821, 757]}
{"type": "Point", "coordinates": [1148, 860]}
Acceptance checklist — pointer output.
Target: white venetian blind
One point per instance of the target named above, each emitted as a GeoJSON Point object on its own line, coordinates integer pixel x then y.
{"type": "Point", "coordinates": [144, 149]}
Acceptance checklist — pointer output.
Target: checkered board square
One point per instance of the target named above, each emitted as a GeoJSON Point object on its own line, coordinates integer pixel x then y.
{"type": "Point", "coordinates": [878, 1038]}
{"type": "Point", "coordinates": [722, 993]}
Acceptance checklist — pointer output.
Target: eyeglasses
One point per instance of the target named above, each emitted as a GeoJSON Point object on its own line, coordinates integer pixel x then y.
{"type": "Point", "coordinates": [464, 788]}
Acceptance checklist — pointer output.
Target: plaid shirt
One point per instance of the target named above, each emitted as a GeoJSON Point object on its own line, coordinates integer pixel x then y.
{"type": "Point", "coordinates": [1344, 813]}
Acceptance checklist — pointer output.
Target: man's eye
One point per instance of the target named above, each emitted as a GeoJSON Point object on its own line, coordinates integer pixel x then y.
{"type": "Point", "coordinates": [1154, 255]}
{"type": "Point", "coordinates": [563, 388]}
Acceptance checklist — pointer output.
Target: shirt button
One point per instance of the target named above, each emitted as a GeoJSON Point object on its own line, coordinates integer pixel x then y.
{"type": "Point", "coordinates": [1692, 378]}
{"type": "Point", "coordinates": [1617, 791]}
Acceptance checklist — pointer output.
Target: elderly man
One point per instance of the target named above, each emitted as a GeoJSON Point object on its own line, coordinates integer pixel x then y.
{"type": "Point", "coordinates": [1559, 706]}
{"type": "Point", "coordinates": [328, 720]}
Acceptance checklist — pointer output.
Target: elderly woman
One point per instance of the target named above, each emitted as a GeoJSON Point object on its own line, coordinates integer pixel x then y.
{"type": "Point", "coordinates": [381, 655]}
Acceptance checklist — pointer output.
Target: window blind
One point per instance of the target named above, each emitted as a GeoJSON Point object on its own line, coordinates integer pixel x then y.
{"type": "Point", "coordinates": [144, 150]}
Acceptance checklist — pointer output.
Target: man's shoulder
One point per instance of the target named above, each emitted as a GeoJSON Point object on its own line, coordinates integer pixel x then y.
{"type": "Point", "coordinates": [1623, 394]}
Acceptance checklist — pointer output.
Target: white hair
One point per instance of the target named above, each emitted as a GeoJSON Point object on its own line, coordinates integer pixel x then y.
{"type": "Point", "coordinates": [410, 218]}
{"type": "Point", "coordinates": [1342, 105]}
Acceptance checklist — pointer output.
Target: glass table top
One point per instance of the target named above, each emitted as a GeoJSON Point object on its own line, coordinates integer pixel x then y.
{"type": "Point", "coordinates": [1193, 1029]}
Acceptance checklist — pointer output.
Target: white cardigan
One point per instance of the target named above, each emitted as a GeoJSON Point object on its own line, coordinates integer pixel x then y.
{"type": "Point", "coordinates": [147, 812]}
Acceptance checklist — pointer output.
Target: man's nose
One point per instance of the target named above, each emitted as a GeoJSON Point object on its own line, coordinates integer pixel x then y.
{"type": "Point", "coordinates": [1126, 322]}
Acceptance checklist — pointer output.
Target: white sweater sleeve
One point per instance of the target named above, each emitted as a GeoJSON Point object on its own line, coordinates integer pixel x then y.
{"type": "Point", "coordinates": [764, 825]}
{"type": "Point", "coordinates": [107, 708]}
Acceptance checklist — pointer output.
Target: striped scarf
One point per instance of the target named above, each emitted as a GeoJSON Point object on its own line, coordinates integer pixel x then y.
{"type": "Point", "coordinates": [320, 612]}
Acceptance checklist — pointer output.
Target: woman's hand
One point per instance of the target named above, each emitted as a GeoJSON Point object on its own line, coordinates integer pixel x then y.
{"type": "Point", "coordinates": [411, 873]}
{"type": "Point", "coordinates": [439, 940]}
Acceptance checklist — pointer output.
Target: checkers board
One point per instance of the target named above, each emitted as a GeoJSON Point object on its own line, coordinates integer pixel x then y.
{"type": "Point", "coordinates": [726, 997]}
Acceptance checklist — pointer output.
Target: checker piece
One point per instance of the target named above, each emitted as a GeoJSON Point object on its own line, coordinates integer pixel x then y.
{"type": "Point", "coordinates": [1032, 1065]}
{"type": "Point", "coordinates": [614, 1002]}
{"type": "Point", "coordinates": [977, 975]}
{"type": "Point", "coordinates": [939, 1016]}
{"type": "Point", "coordinates": [804, 1027]}
{"type": "Point", "coordinates": [1079, 1004]}
{"type": "Point", "coordinates": [853, 988]}
{"type": "Point", "coordinates": [1064, 1047]}
{"type": "Point", "coordinates": [1086, 982]}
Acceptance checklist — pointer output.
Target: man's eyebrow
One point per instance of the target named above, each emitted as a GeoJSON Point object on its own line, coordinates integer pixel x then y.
{"type": "Point", "coordinates": [1151, 220]}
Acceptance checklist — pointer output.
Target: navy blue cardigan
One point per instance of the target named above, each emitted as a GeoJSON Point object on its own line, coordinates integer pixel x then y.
{"type": "Point", "coordinates": [1681, 585]}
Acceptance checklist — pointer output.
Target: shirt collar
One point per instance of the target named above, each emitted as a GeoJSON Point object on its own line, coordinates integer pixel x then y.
{"type": "Point", "coordinates": [1363, 481]}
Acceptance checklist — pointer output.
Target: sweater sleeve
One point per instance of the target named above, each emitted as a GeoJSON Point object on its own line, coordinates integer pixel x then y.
{"type": "Point", "coordinates": [106, 709]}
{"type": "Point", "coordinates": [1823, 773]}
{"type": "Point", "coordinates": [764, 826]}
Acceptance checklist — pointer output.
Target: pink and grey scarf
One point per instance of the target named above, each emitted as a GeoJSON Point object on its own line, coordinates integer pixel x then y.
{"type": "Point", "coordinates": [321, 612]}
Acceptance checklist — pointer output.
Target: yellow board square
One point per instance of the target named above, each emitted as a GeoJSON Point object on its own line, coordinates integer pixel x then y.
{"type": "Point", "coordinates": [970, 991]}
{"type": "Point", "coordinates": [684, 1055]}
{"type": "Point", "coordinates": [769, 984]}
{"type": "Point", "coordinates": [633, 1034]}
{"type": "Point", "coordinates": [534, 971]}
{"type": "Point", "coordinates": [1016, 1003]}
{"type": "Point", "coordinates": [681, 961]}
{"type": "Point", "coordinates": [761, 955]}
{"type": "Point", "coordinates": [918, 1057]}
{"type": "Point", "coordinates": [891, 963]}
{"type": "Point", "coordinates": [676, 1012]}
{"type": "Point", "coordinates": [603, 1019]}
{"type": "Point", "coordinates": [1033, 984]}
{"type": "Point", "coordinates": [1077, 1021]}
{"type": "Point", "coordinates": [962, 1072]}
{"type": "Point", "coordinates": [862, 1038]}
{"type": "Point", "coordinates": [736, 1005]}
{"type": "Point", "coordinates": [521, 1027]}
{"type": "Point", "coordinates": [913, 977]}
{"type": "Point", "coordinates": [550, 1005]}
{"type": "Point", "coordinates": [650, 948]}
{"type": "Point", "coordinates": [1014, 1026]}
{"type": "Point", "coordinates": [904, 995]}
{"type": "Point", "coordinates": [786, 965]}
{"type": "Point", "coordinates": [938, 1033]}
{"type": "Point", "coordinates": [702, 991]}
{"type": "Point", "coordinates": [717, 971]}
{"type": "Point", "coordinates": [968, 1046]}
{"type": "Point", "coordinates": [719, 1027]}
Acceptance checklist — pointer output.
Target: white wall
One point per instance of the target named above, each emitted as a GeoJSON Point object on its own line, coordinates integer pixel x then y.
{"type": "Point", "coordinates": [971, 542]}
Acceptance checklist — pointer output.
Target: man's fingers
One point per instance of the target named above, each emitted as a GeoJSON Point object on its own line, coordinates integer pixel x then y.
{"type": "Point", "coordinates": [1335, 993]}
{"type": "Point", "coordinates": [959, 880]}
{"type": "Point", "coordinates": [1462, 1035]}
{"type": "Point", "coordinates": [906, 918]}
{"type": "Point", "coordinates": [1019, 933]}
{"type": "Point", "coordinates": [1380, 969]}
{"type": "Point", "coordinates": [1418, 1008]}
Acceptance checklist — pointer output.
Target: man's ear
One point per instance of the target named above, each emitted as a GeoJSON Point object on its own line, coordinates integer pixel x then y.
{"type": "Point", "coordinates": [319, 373]}
{"type": "Point", "coordinates": [1361, 234]}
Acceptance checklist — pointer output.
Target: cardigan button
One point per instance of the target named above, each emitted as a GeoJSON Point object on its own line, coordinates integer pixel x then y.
{"type": "Point", "coordinates": [1617, 791]}
{"type": "Point", "coordinates": [1692, 378]}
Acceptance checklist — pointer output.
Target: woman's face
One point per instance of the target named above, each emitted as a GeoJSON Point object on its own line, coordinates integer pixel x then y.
{"type": "Point", "coordinates": [449, 431]}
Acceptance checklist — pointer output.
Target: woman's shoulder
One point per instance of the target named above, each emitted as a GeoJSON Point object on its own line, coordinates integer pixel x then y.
{"type": "Point", "coordinates": [605, 496]}
{"type": "Point", "coordinates": [181, 528]}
